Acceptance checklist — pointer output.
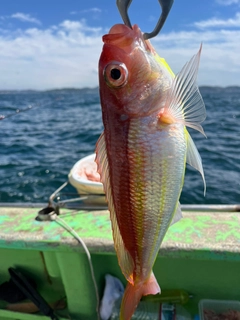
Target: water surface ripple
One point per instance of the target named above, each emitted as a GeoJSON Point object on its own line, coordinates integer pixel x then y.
{"type": "Point", "coordinates": [39, 147]}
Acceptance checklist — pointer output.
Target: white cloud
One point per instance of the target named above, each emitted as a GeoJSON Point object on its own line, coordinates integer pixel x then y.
{"type": "Point", "coordinates": [95, 10]}
{"type": "Point", "coordinates": [25, 17]}
{"type": "Point", "coordinates": [152, 18]}
{"type": "Point", "coordinates": [227, 2]}
{"type": "Point", "coordinates": [214, 22]}
{"type": "Point", "coordinates": [90, 10]}
{"type": "Point", "coordinates": [61, 56]}
{"type": "Point", "coordinates": [76, 25]}
{"type": "Point", "coordinates": [220, 63]}
{"type": "Point", "coordinates": [66, 55]}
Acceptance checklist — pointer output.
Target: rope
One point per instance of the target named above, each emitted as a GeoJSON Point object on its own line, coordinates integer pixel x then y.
{"type": "Point", "coordinates": [62, 223]}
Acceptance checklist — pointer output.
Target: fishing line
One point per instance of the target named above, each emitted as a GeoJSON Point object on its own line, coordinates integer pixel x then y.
{"type": "Point", "coordinates": [30, 107]}
{"type": "Point", "coordinates": [62, 223]}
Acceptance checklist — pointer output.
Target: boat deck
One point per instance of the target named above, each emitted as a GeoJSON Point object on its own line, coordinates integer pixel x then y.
{"type": "Point", "coordinates": [202, 233]}
{"type": "Point", "coordinates": [200, 254]}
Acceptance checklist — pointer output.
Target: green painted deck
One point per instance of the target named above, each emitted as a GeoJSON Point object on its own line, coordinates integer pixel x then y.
{"type": "Point", "coordinates": [200, 254]}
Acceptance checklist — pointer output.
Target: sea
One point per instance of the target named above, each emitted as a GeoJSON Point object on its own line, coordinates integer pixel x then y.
{"type": "Point", "coordinates": [44, 133]}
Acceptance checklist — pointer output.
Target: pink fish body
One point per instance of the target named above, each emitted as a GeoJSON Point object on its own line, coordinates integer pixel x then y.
{"type": "Point", "coordinates": [143, 150]}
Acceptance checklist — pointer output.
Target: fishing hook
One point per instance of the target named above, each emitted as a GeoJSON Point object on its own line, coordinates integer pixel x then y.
{"type": "Point", "coordinates": [123, 6]}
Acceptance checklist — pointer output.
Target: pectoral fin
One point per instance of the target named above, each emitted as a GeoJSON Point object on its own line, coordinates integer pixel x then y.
{"type": "Point", "coordinates": [194, 158]}
{"type": "Point", "coordinates": [184, 103]}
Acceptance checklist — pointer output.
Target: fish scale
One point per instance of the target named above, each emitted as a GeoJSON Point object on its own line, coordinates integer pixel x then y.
{"type": "Point", "coordinates": [167, 179]}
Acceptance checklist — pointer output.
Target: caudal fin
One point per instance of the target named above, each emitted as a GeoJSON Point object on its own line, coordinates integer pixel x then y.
{"type": "Point", "coordinates": [133, 294]}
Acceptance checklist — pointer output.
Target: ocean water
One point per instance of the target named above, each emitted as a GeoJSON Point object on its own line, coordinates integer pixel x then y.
{"type": "Point", "coordinates": [39, 147]}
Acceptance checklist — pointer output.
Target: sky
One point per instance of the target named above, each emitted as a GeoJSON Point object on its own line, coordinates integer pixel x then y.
{"type": "Point", "coordinates": [56, 44]}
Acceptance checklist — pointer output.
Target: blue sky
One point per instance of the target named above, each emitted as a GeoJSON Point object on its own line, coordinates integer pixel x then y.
{"type": "Point", "coordinates": [55, 44]}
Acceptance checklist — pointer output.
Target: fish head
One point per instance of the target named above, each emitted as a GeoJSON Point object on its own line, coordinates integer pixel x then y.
{"type": "Point", "coordinates": [133, 81]}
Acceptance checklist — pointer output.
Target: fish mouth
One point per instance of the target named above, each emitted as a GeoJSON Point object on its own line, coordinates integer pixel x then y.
{"type": "Point", "coordinates": [124, 37]}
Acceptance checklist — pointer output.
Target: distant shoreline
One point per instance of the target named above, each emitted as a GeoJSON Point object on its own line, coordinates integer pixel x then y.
{"type": "Point", "coordinates": [93, 90]}
{"type": "Point", "coordinates": [96, 89]}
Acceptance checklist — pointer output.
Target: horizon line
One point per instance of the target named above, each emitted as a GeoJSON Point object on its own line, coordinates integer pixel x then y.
{"type": "Point", "coordinates": [96, 88]}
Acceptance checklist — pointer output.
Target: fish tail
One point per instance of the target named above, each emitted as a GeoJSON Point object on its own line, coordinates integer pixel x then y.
{"type": "Point", "coordinates": [133, 294]}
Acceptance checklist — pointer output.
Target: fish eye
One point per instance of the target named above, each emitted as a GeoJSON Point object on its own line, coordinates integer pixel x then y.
{"type": "Point", "coordinates": [116, 74]}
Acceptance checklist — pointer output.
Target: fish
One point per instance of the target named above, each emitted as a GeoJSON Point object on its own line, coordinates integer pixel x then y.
{"type": "Point", "coordinates": [142, 153]}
